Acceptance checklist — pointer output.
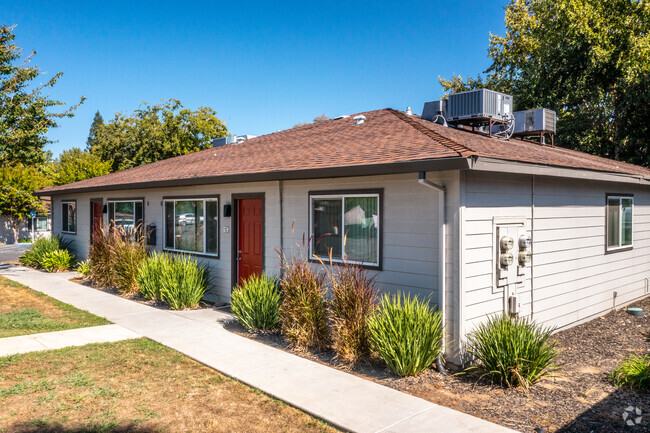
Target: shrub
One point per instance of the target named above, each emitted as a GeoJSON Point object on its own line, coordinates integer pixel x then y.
{"type": "Point", "coordinates": [633, 371]}
{"type": "Point", "coordinates": [149, 275]}
{"type": "Point", "coordinates": [354, 300]}
{"type": "Point", "coordinates": [513, 351]}
{"type": "Point", "coordinates": [256, 303]}
{"type": "Point", "coordinates": [115, 257]}
{"type": "Point", "coordinates": [83, 268]}
{"type": "Point", "coordinates": [183, 282]}
{"type": "Point", "coordinates": [100, 266]}
{"type": "Point", "coordinates": [127, 255]}
{"type": "Point", "coordinates": [303, 314]}
{"type": "Point", "coordinates": [34, 256]}
{"type": "Point", "coordinates": [407, 333]}
{"type": "Point", "coordinates": [57, 261]}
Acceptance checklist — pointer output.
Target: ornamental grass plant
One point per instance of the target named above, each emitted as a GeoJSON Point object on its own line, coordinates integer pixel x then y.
{"type": "Point", "coordinates": [183, 281]}
{"type": "Point", "coordinates": [256, 303]}
{"type": "Point", "coordinates": [115, 258]}
{"type": "Point", "coordinates": [41, 247]}
{"type": "Point", "coordinates": [513, 351]}
{"type": "Point", "coordinates": [149, 275]}
{"type": "Point", "coordinates": [633, 371]}
{"type": "Point", "coordinates": [57, 261]}
{"type": "Point", "coordinates": [303, 314]}
{"type": "Point", "coordinates": [353, 301]}
{"type": "Point", "coordinates": [407, 333]}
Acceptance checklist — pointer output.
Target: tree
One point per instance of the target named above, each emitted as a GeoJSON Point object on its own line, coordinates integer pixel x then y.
{"type": "Point", "coordinates": [25, 115]}
{"type": "Point", "coordinates": [587, 60]}
{"type": "Point", "coordinates": [316, 119]}
{"type": "Point", "coordinates": [98, 122]}
{"type": "Point", "coordinates": [156, 132]}
{"type": "Point", "coordinates": [18, 183]}
{"type": "Point", "coordinates": [75, 164]}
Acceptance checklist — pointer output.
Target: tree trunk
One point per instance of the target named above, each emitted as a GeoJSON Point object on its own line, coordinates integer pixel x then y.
{"type": "Point", "coordinates": [15, 227]}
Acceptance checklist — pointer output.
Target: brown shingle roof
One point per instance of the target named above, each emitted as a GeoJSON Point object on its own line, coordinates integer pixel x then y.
{"type": "Point", "coordinates": [386, 137]}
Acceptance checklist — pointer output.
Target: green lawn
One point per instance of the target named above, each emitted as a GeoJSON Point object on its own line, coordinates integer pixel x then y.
{"type": "Point", "coordinates": [26, 311]}
{"type": "Point", "coordinates": [134, 386]}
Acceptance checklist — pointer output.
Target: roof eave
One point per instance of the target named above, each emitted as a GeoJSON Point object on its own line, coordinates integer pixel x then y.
{"type": "Point", "coordinates": [437, 164]}
{"type": "Point", "coordinates": [501, 166]}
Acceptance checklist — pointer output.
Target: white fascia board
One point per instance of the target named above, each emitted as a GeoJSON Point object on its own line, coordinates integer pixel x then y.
{"type": "Point", "coordinates": [502, 166]}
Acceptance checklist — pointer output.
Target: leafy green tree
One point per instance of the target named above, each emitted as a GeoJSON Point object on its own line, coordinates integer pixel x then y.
{"type": "Point", "coordinates": [156, 132]}
{"type": "Point", "coordinates": [588, 60]}
{"type": "Point", "coordinates": [75, 164]}
{"type": "Point", "coordinates": [25, 112]}
{"type": "Point", "coordinates": [17, 185]}
{"type": "Point", "coordinates": [98, 122]}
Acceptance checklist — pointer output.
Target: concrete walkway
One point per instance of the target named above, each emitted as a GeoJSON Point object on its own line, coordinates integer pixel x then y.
{"type": "Point", "coordinates": [67, 338]}
{"type": "Point", "coordinates": [344, 400]}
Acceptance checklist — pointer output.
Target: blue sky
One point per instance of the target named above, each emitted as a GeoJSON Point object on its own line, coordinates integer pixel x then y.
{"type": "Point", "coordinates": [263, 66]}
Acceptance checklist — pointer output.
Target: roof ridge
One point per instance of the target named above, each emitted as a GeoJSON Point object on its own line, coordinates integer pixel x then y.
{"type": "Point", "coordinates": [442, 140]}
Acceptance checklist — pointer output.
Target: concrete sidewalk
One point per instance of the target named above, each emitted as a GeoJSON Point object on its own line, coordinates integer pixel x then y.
{"type": "Point", "coordinates": [67, 338]}
{"type": "Point", "coordinates": [344, 400]}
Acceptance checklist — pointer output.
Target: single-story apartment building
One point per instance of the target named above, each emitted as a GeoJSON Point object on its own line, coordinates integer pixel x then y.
{"type": "Point", "coordinates": [481, 225]}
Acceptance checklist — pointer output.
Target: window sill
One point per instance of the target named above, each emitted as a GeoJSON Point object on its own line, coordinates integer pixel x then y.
{"type": "Point", "coordinates": [68, 233]}
{"type": "Point", "coordinates": [326, 261]}
{"type": "Point", "coordinates": [618, 250]}
{"type": "Point", "coordinates": [190, 253]}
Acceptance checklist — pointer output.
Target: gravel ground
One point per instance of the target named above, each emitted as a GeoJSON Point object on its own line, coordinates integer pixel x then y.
{"type": "Point", "coordinates": [580, 398]}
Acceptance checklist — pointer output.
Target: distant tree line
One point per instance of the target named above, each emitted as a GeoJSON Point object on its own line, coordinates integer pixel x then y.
{"type": "Point", "coordinates": [151, 133]}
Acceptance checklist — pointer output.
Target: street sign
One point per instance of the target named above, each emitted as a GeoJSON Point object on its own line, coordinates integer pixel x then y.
{"type": "Point", "coordinates": [33, 214]}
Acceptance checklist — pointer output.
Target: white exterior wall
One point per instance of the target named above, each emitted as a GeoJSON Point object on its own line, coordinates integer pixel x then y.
{"type": "Point", "coordinates": [573, 279]}
{"type": "Point", "coordinates": [410, 225]}
{"type": "Point", "coordinates": [7, 233]}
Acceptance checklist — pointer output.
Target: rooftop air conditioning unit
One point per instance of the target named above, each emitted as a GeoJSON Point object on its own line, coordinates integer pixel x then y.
{"type": "Point", "coordinates": [217, 142]}
{"type": "Point", "coordinates": [434, 109]}
{"type": "Point", "coordinates": [478, 104]}
{"type": "Point", "coordinates": [534, 122]}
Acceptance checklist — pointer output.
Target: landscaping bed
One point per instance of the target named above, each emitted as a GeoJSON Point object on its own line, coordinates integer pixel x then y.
{"type": "Point", "coordinates": [26, 311]}
{"type": "Point", "coordinates": [138, 297]}
{"type": "Point", "coordinates": [134, 386]}
{"type": "Point", "coordinates": [580, 398]}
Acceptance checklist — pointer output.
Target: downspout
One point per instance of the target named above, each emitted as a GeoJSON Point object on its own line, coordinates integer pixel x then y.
{"type": "Point", "coordinates": [442, 218]}
{"type": "Point", "coordinates": [281, 217]}
{"type": "Point", "coordinates": [532, 250]}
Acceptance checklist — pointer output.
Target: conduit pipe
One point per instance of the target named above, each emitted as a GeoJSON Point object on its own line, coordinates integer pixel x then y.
{"type": "Point", "coordinates": [442, 219]}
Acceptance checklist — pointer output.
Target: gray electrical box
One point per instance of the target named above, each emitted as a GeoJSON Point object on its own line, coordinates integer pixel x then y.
{"type": "Point", "coordinates": [534, 122]}
{"type": "Point", "coordinates": [478, 104]}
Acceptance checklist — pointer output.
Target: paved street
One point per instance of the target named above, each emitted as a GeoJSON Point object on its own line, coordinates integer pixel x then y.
{"type": "Point", "coordinates": [10, 253]}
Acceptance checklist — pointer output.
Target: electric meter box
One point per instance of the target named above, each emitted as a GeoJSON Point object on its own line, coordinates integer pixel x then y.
{"type": "Point", "coordinates": [506, 243]}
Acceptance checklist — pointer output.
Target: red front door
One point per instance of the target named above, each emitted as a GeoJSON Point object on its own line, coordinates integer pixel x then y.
{"type": "Point", "coordinates": [96, 217]}
{"type": "Point", "coordinates": [250, 215]}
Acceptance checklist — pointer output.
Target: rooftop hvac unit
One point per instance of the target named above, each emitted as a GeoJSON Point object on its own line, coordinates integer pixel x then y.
{"type": "Point", "coordinates": [534, 122]}
{"type": "Point", "coordinates": [434, 109]}
{"type": "Point", "coordinates": [478, 104]}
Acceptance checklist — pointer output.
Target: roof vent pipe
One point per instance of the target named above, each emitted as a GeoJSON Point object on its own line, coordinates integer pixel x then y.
{"type": "Point", "coordinates": [359, 119]}
{"type": "Point", "coordinates": [408, 111]}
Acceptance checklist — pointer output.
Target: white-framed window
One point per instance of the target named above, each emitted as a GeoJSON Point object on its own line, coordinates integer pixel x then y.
{"type": "Point", "coordinates": [127, 214]}
{"type": "Point", "coordinates": [192, 225]}
{"type": "Point", "coordinates": [69, 216]}
{"type": "Point", "coordinates": [346, 226]}
{"type": "Point", "coordinates": [620, 210]}
{"type": "Point", "coordinates": [41, 224]}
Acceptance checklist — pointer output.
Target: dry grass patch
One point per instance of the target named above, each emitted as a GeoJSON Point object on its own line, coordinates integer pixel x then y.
{"type": "Point", "coordinates": [135, 385]}
{"type": "Point", "coordinates": [26, 311]}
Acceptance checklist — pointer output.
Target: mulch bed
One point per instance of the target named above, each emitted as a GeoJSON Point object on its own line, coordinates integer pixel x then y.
{"type": "Point", "coordinates": [580, 398]}
{"type": "Point", "coordinates": [137, 297]}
